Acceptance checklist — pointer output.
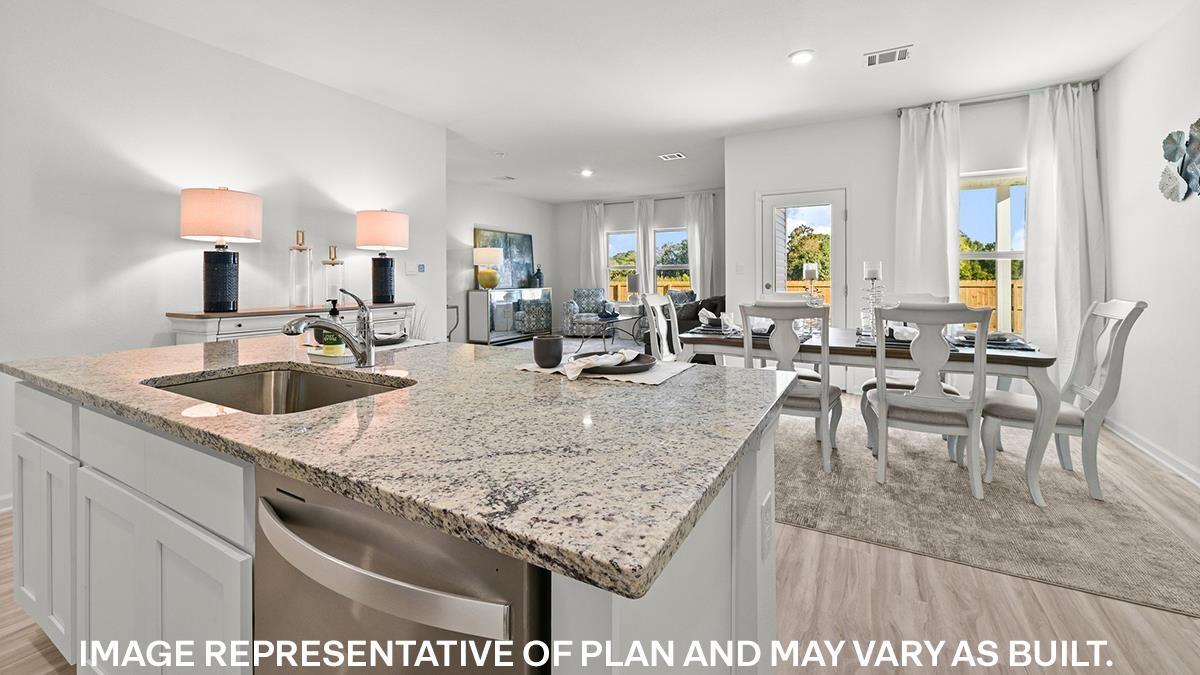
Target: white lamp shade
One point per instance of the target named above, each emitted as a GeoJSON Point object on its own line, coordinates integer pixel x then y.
{"type": "Point", "coordinates": [489, 256]}
{"type": "Point", "coordinates": [381, 231]}
{"type": "Point", "coordinates": [207, 214]}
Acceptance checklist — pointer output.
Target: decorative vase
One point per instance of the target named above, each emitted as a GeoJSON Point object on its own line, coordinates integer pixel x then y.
{"type": "Point", "coordinates": [547, 350]}
{"type": "Point", "coordinates": [539, 281]}
{"type": "Point", "coordinates": [488, 278]}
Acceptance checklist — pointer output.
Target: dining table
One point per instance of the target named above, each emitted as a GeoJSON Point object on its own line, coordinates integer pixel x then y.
{"type": "Point", "coordinates": [845, 349]}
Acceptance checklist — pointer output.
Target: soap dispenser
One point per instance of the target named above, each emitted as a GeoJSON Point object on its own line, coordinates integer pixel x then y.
{"type": "Point", "coordinates": [332, 343]}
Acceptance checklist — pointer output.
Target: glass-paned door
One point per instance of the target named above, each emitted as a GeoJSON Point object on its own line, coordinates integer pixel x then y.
{"type": "Point", "coordinates": [806, 228]}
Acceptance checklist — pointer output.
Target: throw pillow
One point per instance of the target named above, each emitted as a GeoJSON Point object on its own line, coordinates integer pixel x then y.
{"type": "Point", "coordinates": [689, 311]}
{"type": "Point", "coordinates": [679, 298]}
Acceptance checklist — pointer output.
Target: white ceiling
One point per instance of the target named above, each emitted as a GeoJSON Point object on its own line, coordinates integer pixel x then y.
{"type": "Point", "coordinates": [558, 85]}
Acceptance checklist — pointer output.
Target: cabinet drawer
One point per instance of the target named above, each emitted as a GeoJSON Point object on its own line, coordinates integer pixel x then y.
{"type": "Point", "coordinates": [113, 447]}
{"type": "Point", "coordinates": [234, 327]}
{"type": "Point", "coordinates": [46, 417]}
{"type": "Point", "coordinates": [211, 490]}
{"type": "Point", "coordinates": [216, 492]}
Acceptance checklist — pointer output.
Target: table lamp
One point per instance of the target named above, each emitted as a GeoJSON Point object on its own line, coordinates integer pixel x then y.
{"type": "Point", "coordinates": [486, 260]}
{"type": "Point", "coordinates": [382, 231]}
{"type": "Point", "coordinates": [222, 216]}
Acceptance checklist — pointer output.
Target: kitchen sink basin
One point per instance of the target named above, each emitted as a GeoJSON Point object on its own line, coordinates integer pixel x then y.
{"type": "Point", "coordinates": [279, 391]}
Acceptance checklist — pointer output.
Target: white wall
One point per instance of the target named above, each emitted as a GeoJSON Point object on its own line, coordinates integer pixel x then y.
{"type": "Point", "coordinates": [468, 206]}
{"type": "Point", "coordinates": [103, 119]}
{"type": "Point", "coordinates": [993, 135]}
{"type": "Point", "coordinates": [1153, 243]}
{"type": "Point", "coordinates": [859, 155]}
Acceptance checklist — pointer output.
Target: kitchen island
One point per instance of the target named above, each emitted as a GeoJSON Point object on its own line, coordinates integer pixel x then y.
{"type": "Point", "coordinates": [651, 506]}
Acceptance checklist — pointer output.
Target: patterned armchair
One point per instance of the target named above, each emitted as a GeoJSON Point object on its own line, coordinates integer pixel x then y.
{"type": "Point", "coordinates": [580, 312]}
{"type": "Point", "coordinates": [533, 317]}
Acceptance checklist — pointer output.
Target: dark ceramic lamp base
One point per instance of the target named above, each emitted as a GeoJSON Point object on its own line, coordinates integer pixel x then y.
{"type": "Point", "coordinates": [220, 280]}
{"type": "Point", "coordinates": [383, 279]}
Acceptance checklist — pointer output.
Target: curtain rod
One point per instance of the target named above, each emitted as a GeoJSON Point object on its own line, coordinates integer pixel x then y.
{"type": "Point", "coordinates": [996, 98]}
{"type": "Point", "coordinates": [673, 195]}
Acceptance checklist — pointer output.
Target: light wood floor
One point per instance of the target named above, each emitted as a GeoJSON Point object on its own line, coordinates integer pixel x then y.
{"type": "Point", "coordinates": [834, 588]}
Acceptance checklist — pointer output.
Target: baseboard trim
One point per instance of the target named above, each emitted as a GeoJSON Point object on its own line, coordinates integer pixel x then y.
{"type": "Point", "coordinates": [5, 503]}
{"type": "Point", "coordinates": [1189, 471]}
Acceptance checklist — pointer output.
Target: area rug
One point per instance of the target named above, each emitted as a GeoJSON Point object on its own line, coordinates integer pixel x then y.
{"type": "Point", "coordinates": [1114, 548]}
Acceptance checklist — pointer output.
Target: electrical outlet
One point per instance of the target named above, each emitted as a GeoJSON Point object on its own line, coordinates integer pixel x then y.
{"type": "Point", "coordinates": [739, 268]}
{"type": "Point", "coordinates": [414, 268]}
{"type": "Point", "coordinates": [767, 521]}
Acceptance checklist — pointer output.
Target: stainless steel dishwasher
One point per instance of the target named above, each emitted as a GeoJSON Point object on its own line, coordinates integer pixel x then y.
{"type": "Point", "coordinates": [328, 568]}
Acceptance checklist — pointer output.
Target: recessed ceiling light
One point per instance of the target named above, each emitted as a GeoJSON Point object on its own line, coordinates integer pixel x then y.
{"type": "Point", "coordinates": [586, 173]}
{"type": "Point", "coordinates": [802, 56]}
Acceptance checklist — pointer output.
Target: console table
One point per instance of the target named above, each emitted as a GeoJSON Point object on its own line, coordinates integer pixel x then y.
{"type": "Point", "coordinates": [192, 327]}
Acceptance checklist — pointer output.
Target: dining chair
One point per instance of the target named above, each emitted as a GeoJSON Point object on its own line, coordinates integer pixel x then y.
{"type": "Point", "coordinates": [1087, 394]}
{"type": "Point", "coordinates": [893, 382]}
{"type": "Point", "coordinates": [818, 399]}
{"type": "Point", "coordinates": [664, 339]}
{"type": "Point", "coordinates": [927, 407]}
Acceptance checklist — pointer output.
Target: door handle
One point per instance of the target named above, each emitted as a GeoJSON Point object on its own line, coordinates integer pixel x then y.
{"type": "Point", "coordinates": [418, 604]}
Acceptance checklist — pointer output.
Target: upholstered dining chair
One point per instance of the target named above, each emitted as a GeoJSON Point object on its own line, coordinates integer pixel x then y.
{"type": "Point", "coordinates": [894, 382]}
{"type": "Point", "coordinates": [927, 407]}
{"type": "Point", "coordinates": [1087, 394]}
{"type": "Point", "coordinates": [820, 399]}
{"type": "Point", "coordinates": [660, 315]}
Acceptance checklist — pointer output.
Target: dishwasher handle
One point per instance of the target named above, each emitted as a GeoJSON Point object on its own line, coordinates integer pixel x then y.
{"type": "Point", "coordinates": [418, 604]}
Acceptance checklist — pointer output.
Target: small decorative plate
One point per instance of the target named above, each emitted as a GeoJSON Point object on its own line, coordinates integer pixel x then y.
{"type": "Point", "coordinates": [641, 363]}
{"type": "Point", "coordinates": [317, 355]}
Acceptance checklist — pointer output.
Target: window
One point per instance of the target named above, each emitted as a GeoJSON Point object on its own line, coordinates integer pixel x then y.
{"type": "Point", "coordinates": [992, 247]}
{"type": "Point", "coordinates": [671, 260]}
{"type": "Point", "coordinates": [622, 261]}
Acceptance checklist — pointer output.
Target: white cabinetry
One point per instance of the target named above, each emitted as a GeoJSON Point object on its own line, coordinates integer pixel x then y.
{"type": "Point", "coordinates": [190, 328]}
{"type": "Point", "coordinates": [122, 534]}
{"type": "Point", "coordinates": [43, 535]}
{"type": "Point", "coordinates": [147, 574]}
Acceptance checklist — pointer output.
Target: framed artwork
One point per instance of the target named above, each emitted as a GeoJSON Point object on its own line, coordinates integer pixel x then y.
{"type": "Point", "coordinates": [517, 269]}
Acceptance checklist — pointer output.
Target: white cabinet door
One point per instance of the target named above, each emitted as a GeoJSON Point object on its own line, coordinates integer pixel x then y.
{"type": "Point", "coordinates": [29, 513]}
{"type": "Point", "coordinates": [147, 574]}
{"type": "Point", "coordinates": [197, 586]}
{"type": "Point", "coordinates": [110, 579]}
{"type": "Point", "coordinates": [58, 482]}
{"type": "Point", "coordinates": [44, 538]}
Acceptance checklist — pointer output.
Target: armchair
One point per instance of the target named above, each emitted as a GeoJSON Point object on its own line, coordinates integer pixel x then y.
{"type": "Point", "coordinates": [580, 313]}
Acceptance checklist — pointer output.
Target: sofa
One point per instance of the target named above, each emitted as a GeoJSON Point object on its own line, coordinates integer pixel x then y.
{"type": "Point", "coordinates": [580, 313]}
{"type": "Point", "coordinates": [687, 308]}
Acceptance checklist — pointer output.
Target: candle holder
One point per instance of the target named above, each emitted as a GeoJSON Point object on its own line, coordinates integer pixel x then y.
{"type": "Point", "coordinates": [874, 298]}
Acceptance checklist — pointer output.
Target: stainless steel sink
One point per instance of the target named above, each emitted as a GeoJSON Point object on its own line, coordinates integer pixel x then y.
{"type": "Point", "coordinates": [279, 391]}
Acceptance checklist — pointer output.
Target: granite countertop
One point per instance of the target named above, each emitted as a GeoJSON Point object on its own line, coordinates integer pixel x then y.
{"type": "Point", "coordinates": [596, 480]}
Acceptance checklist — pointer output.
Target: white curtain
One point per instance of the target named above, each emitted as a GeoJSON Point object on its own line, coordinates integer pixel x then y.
{"type": "Point", "coordinates": [592, 255]}
{"type": "Point", "coordinates": [1066, 265]}
{"type": "Point", "coordinates": [643, 216]}
{"type": "Point", "coordinates": [927, 202]}
{"type": "Point", "coordinates": [701, 231]}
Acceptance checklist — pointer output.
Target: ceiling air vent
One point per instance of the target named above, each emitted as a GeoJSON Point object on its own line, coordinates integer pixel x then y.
{"type": "Point", "coordinates": [672, 156]}
{"type": "Point", "coordinates": [888, 56]}
{"type": "Point", "coordinates": [504, 179]}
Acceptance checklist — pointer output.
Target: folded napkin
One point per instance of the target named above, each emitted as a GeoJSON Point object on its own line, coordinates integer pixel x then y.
{"type": "Point", "coordinates": [573, 368]}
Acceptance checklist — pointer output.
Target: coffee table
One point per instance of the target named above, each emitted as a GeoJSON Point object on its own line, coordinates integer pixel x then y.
{"type": "Point", "coordinates": [601, 326]}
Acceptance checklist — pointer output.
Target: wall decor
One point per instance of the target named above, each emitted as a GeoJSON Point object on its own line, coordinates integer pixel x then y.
{"type": "Point", "coordinates": [516, 270]}
{"type": "Point", "coordinates": [1180, 178]}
